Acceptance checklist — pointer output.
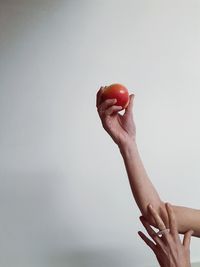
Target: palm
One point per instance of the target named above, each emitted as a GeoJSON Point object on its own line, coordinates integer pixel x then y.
{"type": "Point", "coordinates": [120, 127]}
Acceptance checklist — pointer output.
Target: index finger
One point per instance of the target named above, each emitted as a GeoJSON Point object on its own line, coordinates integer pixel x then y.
{"type": "Point", "coordinates": [172, 220]}
{"type": "Point", "coordinates": [98, 96]}
{"type": "Point", "coordinates": [159, 222]}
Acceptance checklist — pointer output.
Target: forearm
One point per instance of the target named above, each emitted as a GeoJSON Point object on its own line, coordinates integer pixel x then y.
{"type": "Point", "coordinates": [187, 219]}
{"type": "Point", "coordinates": [141, 186]}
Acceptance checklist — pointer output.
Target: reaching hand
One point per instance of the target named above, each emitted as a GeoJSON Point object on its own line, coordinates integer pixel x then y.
{"type": "Point", "coordinates": [168, 248]}
{"type": "Point", "coordinates": [121, 128]}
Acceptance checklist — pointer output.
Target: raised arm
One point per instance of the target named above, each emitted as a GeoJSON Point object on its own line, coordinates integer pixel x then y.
{"type": "Point", "coordinates": [122, 130]}
{"type": "Point", "coordinates": [144, 193]}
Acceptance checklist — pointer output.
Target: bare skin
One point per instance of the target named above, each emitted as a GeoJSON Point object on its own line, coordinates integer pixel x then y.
{"type": "Point", "coordinates": [168, 248]}
{"type": "Point", "coordinates": [122, 130]}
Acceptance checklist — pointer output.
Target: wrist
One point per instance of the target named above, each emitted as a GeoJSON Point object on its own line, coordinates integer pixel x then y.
{"type": "Point", "coordinates": [128, 147]}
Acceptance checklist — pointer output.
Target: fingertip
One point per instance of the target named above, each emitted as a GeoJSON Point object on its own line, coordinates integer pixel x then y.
{"type": "Point", "coordinates": [102, 88]}
{"type": "Point", "coordinates": [191, 232]}
{"type": "Point", "coordinates": [150, 206]}
{"type": "Point", "coordinates": [132, 96]}
{"type": "Point", "coordinates": [168, 206]}
{"type": "Point", "coordinates": [141, 234]}
{"type": "Point", "coordinates": [143, 220]}
{"type": "Point", "coordinates": [98, 97]}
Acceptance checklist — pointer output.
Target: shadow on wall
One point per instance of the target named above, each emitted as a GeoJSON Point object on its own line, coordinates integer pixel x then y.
{"type": "Point", "coordinates": [91, 258]}
{"type": "Point", "coordinates": [95, 258]}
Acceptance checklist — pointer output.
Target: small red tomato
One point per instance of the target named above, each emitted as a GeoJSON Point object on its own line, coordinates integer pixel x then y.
{"type": "Point", "coordinates": [117, 91]}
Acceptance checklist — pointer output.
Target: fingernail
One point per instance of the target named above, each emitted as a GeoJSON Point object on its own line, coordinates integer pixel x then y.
{"type": "Point", "coordinates": [150, 206]}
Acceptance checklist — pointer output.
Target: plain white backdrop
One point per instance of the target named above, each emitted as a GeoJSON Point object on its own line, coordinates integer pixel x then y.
{"type": "Point", "coordinates": [64, 194]}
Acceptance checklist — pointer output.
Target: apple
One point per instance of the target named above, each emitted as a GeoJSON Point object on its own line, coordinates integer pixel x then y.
{"type": "Point", "coordinates": [117, 91]}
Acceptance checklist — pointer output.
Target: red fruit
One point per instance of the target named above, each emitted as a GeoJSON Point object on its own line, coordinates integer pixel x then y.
{"type": "Point", "coordinates": [117, 91]}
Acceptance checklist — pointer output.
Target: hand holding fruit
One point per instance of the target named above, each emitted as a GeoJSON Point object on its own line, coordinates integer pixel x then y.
{"type": "Point", "coordinates": [118, 92]}
{"type": "Point", "coordinates": [121, 128]}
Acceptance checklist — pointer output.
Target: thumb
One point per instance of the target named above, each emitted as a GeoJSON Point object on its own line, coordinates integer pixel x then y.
{"type": "Point", "coordinates": [129, 108]}
{"type": "Point", "coordinates": [187, 238]}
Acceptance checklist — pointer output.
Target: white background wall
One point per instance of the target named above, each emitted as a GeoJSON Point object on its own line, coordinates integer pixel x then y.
{"type": "Point", "coordinates": [64, 194]}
